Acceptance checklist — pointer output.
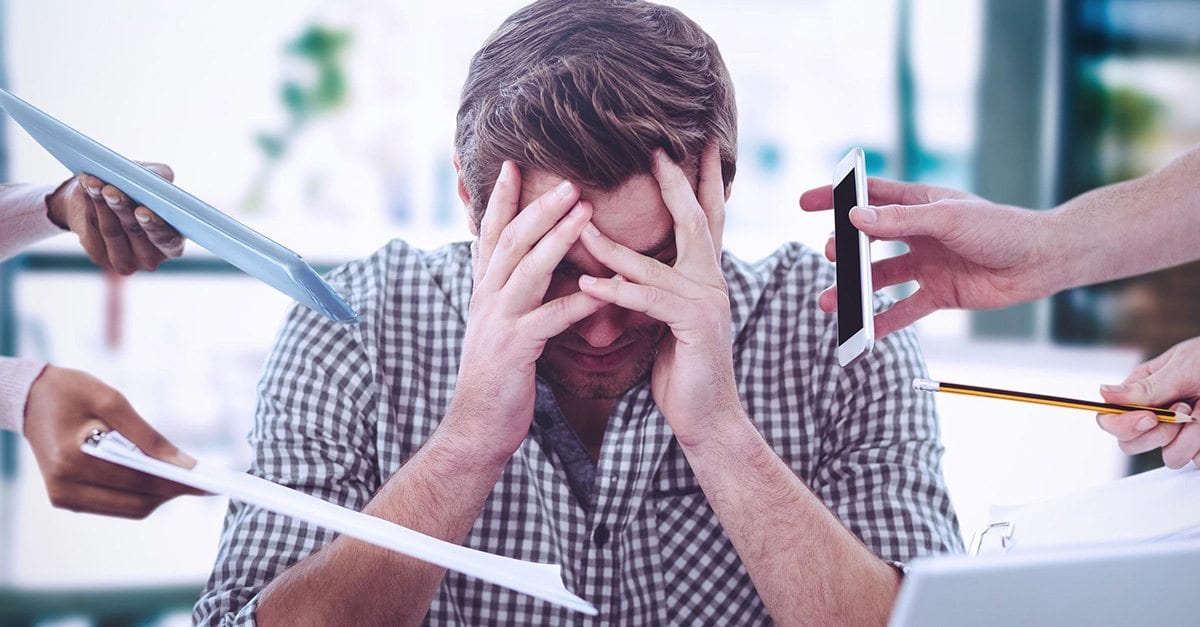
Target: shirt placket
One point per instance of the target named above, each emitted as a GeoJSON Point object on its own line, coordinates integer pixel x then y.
{"type": "Point", "coordinates": [634, 443]}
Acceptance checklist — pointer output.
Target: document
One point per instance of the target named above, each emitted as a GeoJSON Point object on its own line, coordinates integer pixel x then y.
{"type": "Point", "coordinates": [543, 581]}
{"type": "Point", "coordinates": [1154, 506]}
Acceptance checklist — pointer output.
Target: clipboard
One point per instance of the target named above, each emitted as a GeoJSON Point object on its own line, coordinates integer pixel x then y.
{"type": "Point", "coordinates": [543, 581]}
{"type": "Point", "coordinates": [198, 221]}
{"type": "Point", "coordinates": [1155, 506]}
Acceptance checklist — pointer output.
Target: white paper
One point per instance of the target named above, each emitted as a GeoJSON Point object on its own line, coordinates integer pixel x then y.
{"type": "Point", "coordinates": [1153, 506]}
{"type": "Point", "coordinates": [543, 581]}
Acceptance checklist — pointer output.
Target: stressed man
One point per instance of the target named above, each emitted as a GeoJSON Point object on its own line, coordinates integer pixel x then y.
{"type": "Point", "coordinates": [592, 381]}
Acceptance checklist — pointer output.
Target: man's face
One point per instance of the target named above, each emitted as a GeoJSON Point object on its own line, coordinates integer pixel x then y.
{"type": "Point", "coordinates": [605, 354]}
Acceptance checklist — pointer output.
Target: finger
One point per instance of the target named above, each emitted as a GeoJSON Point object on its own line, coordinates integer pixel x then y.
{"type": "Point", "coordinates": [880, 191]}
{"type": "Point", "coordinates": [521, 234]}
{"type": "Point", "coordinates": [531, 277]}
{"type": "Point", "coordinates": [1127, 426]}
{"type": "Point", "coordinates": [938, 220]}
{"type": "Point", "coordinates": [120, 256]}
{"type": "Point", "coordinates": [655, 302]}
{"type": "Point", "coordinates": [116, 412]}
{"type": "Point", "coordinates": [163, 236]}
{"type": "Point", "coordinates": [103, 474]}
{"type": "Point", "coordinates": [99, 500]}
{"type": "Point", "coordinates": [831, 248]}
{"type": "Point", "coordinates": [1158, 437]}
{"type": "Point", "coordinates": [692, 240]}
{"type": "Point", "coordinates": [501, 209]}
{"type": "Point", "coordinates": [634, 265]}
{"type": "Point", "coordinates": [145, 254]}
{"type": "Point", "coordinates": [903, 313]}
{"type": "Point", "coordinates": [88, 230]}
{"type": "Point", "coordinates": [827, 301]}
{"type": "Point", "coordinates": [558, 315]}
{"type": "Point", "coordinates": [711, 193]}
{"type": "Point", "coordinates": [1156, 389]}
{"type": "Point", "coordinates": [892, 271]}
{"type": "Point", "coordinates": [1184, 446]}
{"type": "Point", "coordinates": [161, 169]}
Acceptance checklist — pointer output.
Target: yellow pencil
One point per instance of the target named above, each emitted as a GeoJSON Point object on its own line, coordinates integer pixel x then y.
{"type": "Point", "coordinates": [1163, 415]}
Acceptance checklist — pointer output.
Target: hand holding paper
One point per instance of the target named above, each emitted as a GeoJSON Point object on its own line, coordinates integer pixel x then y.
{"type": "Point", "coordinates": [543, 581]}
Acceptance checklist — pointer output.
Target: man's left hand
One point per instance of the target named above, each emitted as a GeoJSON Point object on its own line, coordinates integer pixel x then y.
{"type": "Point", "coordinates": [692, 381]}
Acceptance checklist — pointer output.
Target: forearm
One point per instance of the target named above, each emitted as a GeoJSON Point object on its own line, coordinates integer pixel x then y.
{"type": "Point", "coordinates": [1129, 228]}
{"type": "Point", "coordinates": [806, 566]}
{"type": "Point", "coordinates": [439, 492]}
{"type": "Point", "coordinates": [23, 217]}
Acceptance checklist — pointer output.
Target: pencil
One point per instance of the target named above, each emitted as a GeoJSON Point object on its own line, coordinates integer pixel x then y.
{"type": "Point", "coordinates": [1163, 415]}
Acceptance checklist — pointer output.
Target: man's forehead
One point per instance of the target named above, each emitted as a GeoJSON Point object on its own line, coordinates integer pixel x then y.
{"type": "Point", "coordinates": [633, 214]}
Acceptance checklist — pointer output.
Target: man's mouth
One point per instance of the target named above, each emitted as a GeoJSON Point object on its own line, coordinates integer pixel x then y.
{"type": "Point", "coordinates": [598, 360]}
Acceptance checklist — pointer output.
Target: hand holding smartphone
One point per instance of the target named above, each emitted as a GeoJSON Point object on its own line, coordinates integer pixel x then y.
{"type": "Point", "coordinates": [856, 322]}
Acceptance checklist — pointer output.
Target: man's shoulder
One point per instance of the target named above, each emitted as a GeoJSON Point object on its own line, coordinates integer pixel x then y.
{"type": "Point", "coordinates": [785, 282]}
{"type": "Point", "coordinates": [400, 272]}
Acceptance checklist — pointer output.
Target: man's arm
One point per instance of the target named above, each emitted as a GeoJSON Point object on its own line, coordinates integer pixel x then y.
{"type": "Point", "coordinates": [441, 490]}
{"type": "Point", "coordinates": [806, 566]}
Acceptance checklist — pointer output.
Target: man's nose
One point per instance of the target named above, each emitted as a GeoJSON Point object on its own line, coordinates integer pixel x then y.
{"type": "Point", "coordinates": [603, 327]}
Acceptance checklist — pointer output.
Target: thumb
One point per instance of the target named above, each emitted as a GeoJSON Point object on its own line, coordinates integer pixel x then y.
{"type": "Point", "coordinates": [121, 416]}
{"type": "Point", "coordinates": [900, 221]}
{"type": "Point", "coordinates": [1155, 389]}
{"type": "Point", "coordinates": [160, 169]}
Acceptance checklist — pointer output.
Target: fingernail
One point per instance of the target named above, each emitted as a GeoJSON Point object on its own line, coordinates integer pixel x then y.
{"type": "Point", "coordinates": [1113, 389]}
{"type": "Point", "coordinates": [110, 200]}
{"type": "Point", "coordinates": [866, 215]}
{"type": "Point", "coordinates": [564, 189]}
{"type": "Point", "coordinates": [187, 460]}
{"type": "Point", "coordinates": [92, 189]}
{"type": "Point", "coordinates": [587, 279]}
{"type": "Point", "coordinates": [1181, 408]}
{"type": "Point", "coordinates": [1145, 424]}
{"type": "Point", "coordinates": [142, 216]}
{"type": "Point", "coordinates": [591, 229]}
{"type": "Point", "coordinates": [576, 210]}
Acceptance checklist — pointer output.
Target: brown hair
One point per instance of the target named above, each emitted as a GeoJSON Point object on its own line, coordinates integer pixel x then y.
{"type": "Point", "coordinates": [587, 90]}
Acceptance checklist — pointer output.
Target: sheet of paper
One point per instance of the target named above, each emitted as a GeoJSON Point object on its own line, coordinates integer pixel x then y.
{"type": "Point", "coordinates": [543, 581]}
{"type": "Point", "coordinates": [1158, 505]}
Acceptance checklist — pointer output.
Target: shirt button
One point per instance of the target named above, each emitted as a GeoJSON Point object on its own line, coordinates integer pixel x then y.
{"type": "Point", "coordinates": [600, 535]}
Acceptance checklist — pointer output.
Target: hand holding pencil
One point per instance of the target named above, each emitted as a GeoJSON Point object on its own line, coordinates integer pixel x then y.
{"type": "Point", "coordinates": [1173, 379]}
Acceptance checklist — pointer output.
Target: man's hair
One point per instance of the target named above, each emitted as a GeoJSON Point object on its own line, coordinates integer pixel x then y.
{"type": "Point", "coordinates": [586, 90]}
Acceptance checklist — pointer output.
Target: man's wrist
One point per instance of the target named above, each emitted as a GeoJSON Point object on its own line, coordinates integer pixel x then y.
{"type": "Point", "coordinates": [731, 433]}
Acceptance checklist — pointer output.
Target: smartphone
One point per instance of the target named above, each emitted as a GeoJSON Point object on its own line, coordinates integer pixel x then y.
{"type": "Point", "coordinates": [855, 315]}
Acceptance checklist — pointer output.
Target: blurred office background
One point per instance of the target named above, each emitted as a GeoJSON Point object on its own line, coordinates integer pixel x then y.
{"type": "Point", "coordinates": [328, 126]}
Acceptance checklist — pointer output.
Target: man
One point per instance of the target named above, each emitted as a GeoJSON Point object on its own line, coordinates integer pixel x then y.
{"type": "Point", "coordinates": [591, 382]}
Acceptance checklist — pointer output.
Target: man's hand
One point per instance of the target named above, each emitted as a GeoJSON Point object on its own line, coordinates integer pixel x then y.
{"type": "Point", "coordinates": [1173, 377]}
{"type": "Point", "coordinates": [62, 409]}
{"type": "Point", "coordinates": [963, 251]}
{"type": "Point", "coordinates": [508, 326]}
{"type": "Point", "coordinates": [116, 235]}
{"type": "Point", "coordinates": [693, 380]}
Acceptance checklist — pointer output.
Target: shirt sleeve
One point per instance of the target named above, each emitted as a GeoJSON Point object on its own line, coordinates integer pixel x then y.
{"type": "Point", "coordinates": [881, 456]}
{"type": "Point", "coordinates": [313, 433]}
{"type": "Point", "coordinates": [16, 377]}
{"type": "Point", "coordinates": [23, 218]}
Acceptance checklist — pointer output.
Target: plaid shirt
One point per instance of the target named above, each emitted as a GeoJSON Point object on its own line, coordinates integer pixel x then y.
{"type": "Point", "coordinates": [342, 407]}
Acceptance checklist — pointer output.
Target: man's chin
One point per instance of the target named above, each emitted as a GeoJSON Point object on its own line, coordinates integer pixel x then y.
{"type": "Point", "coordinates": [608, 386]}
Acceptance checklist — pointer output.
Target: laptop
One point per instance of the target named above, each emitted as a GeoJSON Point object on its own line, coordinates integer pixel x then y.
{"type": "Point", "coordinates": [1144, 584]}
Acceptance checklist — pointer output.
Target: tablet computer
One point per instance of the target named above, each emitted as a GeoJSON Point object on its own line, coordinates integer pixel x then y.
{"type": "Point", "coordinates": [198, 221]}
{"type": "Point", "coordinates": [1142, 584]}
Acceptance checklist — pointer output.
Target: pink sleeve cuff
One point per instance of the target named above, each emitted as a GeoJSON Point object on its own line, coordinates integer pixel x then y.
{"type": "Point", "coordinates": [23, 218]}
{"type": "Point", "coordinates": [16, 377]}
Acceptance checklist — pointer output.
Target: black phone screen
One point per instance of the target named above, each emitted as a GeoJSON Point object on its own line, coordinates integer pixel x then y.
{"type": "Point", "coordinates": [849, 288]}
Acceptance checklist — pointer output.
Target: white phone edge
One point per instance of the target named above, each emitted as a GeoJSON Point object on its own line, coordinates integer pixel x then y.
{"type": "Point", "coordinates": [863, 341]}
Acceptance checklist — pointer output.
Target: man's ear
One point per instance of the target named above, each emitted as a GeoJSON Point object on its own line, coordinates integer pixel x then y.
{"type": "Point", "coordinates": [464, 195]}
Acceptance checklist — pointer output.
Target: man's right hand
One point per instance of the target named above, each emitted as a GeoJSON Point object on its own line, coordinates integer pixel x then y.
{"type": "Point", "coordinates": [514, 258]}
{"type": "Point", "coordinates": [963, 251]}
